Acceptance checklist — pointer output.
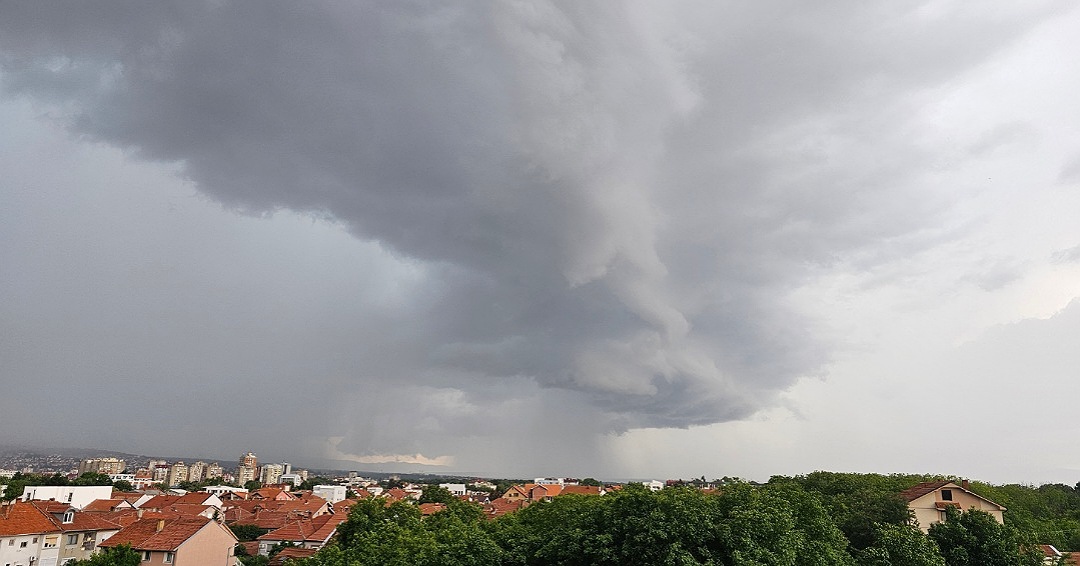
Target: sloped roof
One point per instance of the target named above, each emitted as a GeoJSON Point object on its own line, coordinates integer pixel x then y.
{"type": "Point", "coordinates": [144, 534]}
{"type": "Point", "coordinates": [501, 506]}
{"type": "Point", "coordinates": [103, 505]}
{"type": "Point", "coordinates": [318, 529]}
{"type": "Point", "coordinates": [22, 518]}
{"type": "Point", "coordinates": [580, 490]}
{"type": "Point", "coordinates": [431, 508]}
{"type": "Point", "coordinates": [292, 553]}
{"type": "Point", "coordinates": [917, 491]}
{"type": "Point", "coordinates": [912, 493]}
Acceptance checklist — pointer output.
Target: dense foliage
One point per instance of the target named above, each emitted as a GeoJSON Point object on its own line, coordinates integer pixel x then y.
{"type": "Point", "coordinates": [121, 555]}
{"type": "Point", "coordinates": [820, 519]}
{"type": "Point", "coordinates": [20, 480]}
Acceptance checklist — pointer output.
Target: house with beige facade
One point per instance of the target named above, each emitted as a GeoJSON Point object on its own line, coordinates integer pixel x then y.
{"type": "Point", "coordinates": [182, 541]}
{"type": "Point", "coordinates": [928, 501]}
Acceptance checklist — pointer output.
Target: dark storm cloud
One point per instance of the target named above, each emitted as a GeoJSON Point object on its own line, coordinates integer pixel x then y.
{"type": "Point", "coordinates": [614, 200]}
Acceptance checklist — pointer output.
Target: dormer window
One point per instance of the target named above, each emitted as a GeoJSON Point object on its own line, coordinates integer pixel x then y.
{"type": "Point", "coordinates": [69, 516]}
{"type": "Point", "coordinates": [946, 495]}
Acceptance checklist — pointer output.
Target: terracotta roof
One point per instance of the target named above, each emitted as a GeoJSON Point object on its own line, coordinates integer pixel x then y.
{"type": "Point", "coordinates": [251, 546]}
{"type": "Point", "coordinates": [580, 490]}
{"type": "Point", "coordinates": [548, 490]}
{"type": "Point", "coordinates": [395, 494]}
{"type": "Point", "coordinates": [289, 554]}
{"type": "Point", "coordinates": [915, 492]}
{"type": "Point", "coordinates": [501, 506]}
{"type": "Point", "coordinates": [431, 508]}
{"type": "Point", "coordinates": [102, 505]}
{"type": "Point", "coordinates": [51, 506]}
{"type": "Point", "coordinates": [158, 534]}
{"type": "Point", "coordinates": [21, 518]}
{"type": "Point", "coordinates": [318, 529]}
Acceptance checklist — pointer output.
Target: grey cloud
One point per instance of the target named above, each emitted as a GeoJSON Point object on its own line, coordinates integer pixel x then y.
{"type": "Point", "coordinates": [1070, 255]}
{"type": "Point", "coordinates": [609, 200]}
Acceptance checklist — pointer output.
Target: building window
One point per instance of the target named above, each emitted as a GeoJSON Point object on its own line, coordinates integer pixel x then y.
{"type": "Point", "coordinates": [168, 558]}
{"type": "Point", "coordinates": [73, 539]}
{"type": "Point", "coordinates": [22, 544]}
{"type": "Point", "coordinates": [51, 541]}
{"type": "Point", "coordinates": [946, 495]}
{"type": "Point", "coordinates": [146, 556]}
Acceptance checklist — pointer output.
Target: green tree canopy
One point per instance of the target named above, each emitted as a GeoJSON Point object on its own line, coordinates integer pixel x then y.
{"type": "Point", "coordinates": [122, 555]}
{"type": "Point", "coordinates": [975, 538]}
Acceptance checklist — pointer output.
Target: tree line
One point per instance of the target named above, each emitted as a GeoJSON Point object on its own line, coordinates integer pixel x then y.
{"type": "Point", "coordinates": [820, 519]}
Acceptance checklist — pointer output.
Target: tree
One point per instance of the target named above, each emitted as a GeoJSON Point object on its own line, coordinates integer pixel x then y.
{"type": "Point", "coordinates": [310, 483]}
{"type": "Point", "coordinates": [92, 478]}
{"type": "Point", "coordinates": [975, 538]}
{"type": "Point", "coordinates": [436, 494]}
{"type": "Point", "coordinates": [247, 533]}
{"type": "Point", "coordinates": [123, 485]}
{"type": "Point", "coordinates": [252, 485]}
{"type": "Point", "coordinates": [122, 555]}
{"type": "Point", "coordinates": [591, 482]}
{"type": "Point", "coordinates": [900, 545]}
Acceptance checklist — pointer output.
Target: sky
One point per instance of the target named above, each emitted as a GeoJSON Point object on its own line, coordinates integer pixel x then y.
{"type": "Point", "coordinates": [535, 238]}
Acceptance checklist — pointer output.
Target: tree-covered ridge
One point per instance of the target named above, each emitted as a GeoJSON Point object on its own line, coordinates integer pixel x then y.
{"type": "Point", "coordinates": [817, 519]}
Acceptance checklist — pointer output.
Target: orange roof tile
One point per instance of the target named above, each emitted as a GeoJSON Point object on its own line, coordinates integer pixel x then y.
{"type": "Point", "coordinates": [917, 491]}
{"type": "Point", "coordinates": [580, 490]}
{"type": "Point", "coordinates": [102, 505]}
{"type": "Point", "coordinates": [291, 553]}
{"type": "Point", "coordinates": [21, 518]}
{"type": "Point", "coordinates": [158, 534]}
{"type": "Point", "coordinates": [431, 508]}
{"type": "Point", "coordinates": [318, 529]}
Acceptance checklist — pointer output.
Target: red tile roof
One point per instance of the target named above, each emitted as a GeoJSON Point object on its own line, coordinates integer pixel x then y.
{"type": "Point", "coordinates": [431, 508]}
{"type": "Point", "coordinates": [318, 529]}
{"type": "Point", "coordinates": [102, 505]}
{"type": "Point", "coordinates": [915, 492]}
{"type": "Point", "coordinates": [158, 534]}
{"type": "Point", "coordinates": [501, 506]}
{"type": "Point", "coordinates": [292, 553]}
{"type": "Point", "coordinates": [580, 490]}
{"type": "Point", "coordinates": [21, 518]}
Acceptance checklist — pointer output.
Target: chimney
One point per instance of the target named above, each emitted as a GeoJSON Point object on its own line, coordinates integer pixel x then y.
{"type": "Point", "coordinates": [138, 513]}
{"type": "Point", "coordinates": [964, 484]}
{"type": "Point", "coordinates": [4, 509]}
{"type": "Point", "coordinates": [160, 525]}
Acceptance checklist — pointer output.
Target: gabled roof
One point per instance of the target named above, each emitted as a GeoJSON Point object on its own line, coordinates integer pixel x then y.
{"type": "Point", "coordinates": [912, 493]}
{"type": "Point", "coordinates": [431, 508]}
{"type": "Point", "coordinates": [103, 505]}
{"type": "Point", "coordinates": [917, 491]}
{"type": "Point", "coordinates": [23, 518]}
{"type": "Point", "coordinates": [318, 529]}
{"type": "Point", "coordinates": [501, 506]}
{"type": "Point", "coordinates": [158, 534]}
{"type": "Point", "coordinates": [80, 521]}
{"type": "Point", "coordinates": [292, 553]}
{"type": "Point", "coordinates": [580, 490]}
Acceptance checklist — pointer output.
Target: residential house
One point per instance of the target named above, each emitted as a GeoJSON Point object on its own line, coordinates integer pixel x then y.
{"type": "Point", "coordinates": [306, 533]}
{"type": "Point", "coordinates": [182, 541]}
{"type": "Point", "coordinates": [331, 493]}
{"type": "Point", "coordinates": [28, 536]}
{"type": "Point", "coordinates": [80, 532]}
{"type": "Point", "coordinates": [289, 554]}
{"type": "Point", "coordinates": [928, 501]}
{"type": "Point", "coordinates": [457, 489]}
{"type": "Point", "coordinates": [75, 495]}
